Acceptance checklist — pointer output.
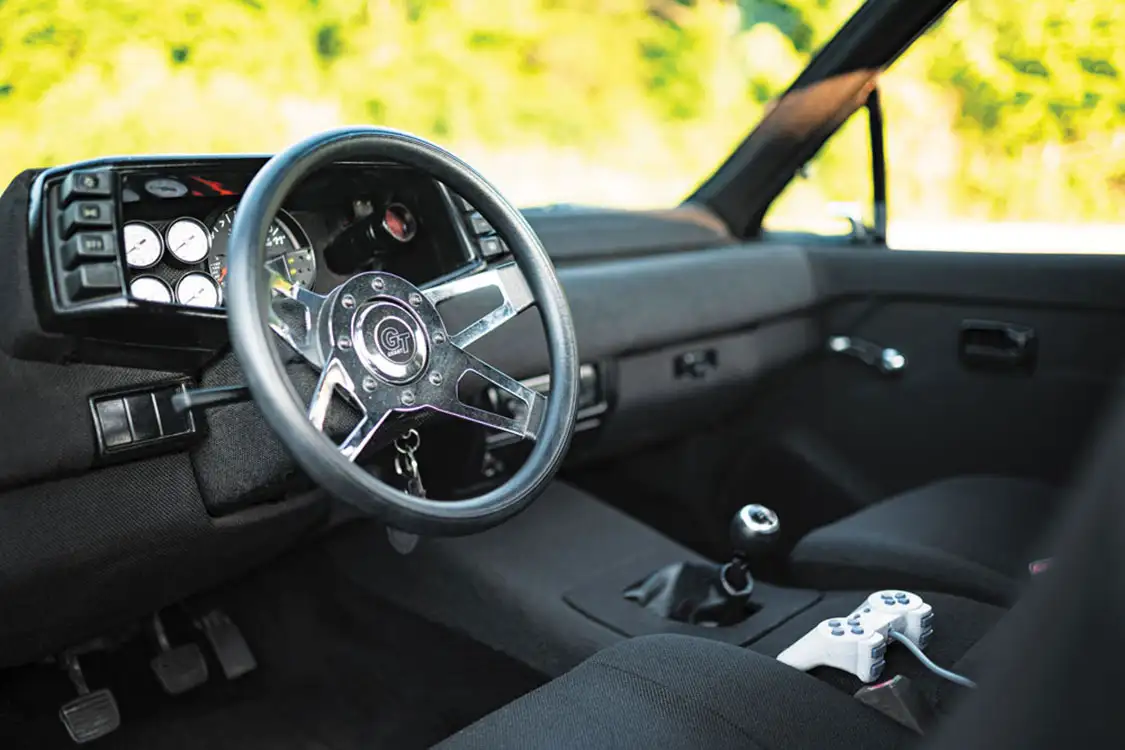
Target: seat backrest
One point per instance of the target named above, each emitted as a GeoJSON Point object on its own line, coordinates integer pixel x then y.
{"type": "Point", "coordinates": [1055, 677]}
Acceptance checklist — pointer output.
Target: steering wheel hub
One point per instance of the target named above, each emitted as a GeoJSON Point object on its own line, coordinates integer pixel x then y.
{"type": "Point", "coordinates": [391, 341]}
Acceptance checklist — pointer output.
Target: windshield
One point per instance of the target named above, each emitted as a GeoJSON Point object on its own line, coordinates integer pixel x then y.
{"type": "Point", "coordinates": [628, 103]}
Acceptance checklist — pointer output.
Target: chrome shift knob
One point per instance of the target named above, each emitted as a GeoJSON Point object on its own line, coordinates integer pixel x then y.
{"type": "Point", "coordinates": [754, 531]}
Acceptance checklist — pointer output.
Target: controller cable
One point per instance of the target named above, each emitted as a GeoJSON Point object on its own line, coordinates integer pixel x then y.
{"type": "Point", "coordinates": [928, 663]}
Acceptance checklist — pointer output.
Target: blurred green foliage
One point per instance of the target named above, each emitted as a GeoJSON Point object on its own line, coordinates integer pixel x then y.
{"type": "Point", "coordinates": [624, 102]}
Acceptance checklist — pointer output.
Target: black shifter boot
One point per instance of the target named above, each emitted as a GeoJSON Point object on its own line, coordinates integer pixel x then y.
{"type": "Point", "coordinates": [696, 593]}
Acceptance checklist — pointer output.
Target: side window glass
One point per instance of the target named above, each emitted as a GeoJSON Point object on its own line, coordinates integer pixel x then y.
{"type": "Point", "coordinates": [1005, 130]}
{"type": "Point", "coordinates": [833, 188]}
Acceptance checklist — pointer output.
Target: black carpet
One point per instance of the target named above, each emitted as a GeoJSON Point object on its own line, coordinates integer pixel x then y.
{"type": "Point", "coordinates": [338, 669]}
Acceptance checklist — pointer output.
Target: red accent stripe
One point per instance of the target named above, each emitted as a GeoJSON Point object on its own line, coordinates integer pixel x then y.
{"type": "Point", "coordinates": [214, 185]}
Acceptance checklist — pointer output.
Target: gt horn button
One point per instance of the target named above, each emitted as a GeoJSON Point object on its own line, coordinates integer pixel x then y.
{"type": "Point", "coordinates": [391, 342]}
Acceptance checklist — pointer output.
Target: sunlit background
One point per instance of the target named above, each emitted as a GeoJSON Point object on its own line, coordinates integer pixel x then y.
{"type": "Point", "coordinates": [1006, 111]}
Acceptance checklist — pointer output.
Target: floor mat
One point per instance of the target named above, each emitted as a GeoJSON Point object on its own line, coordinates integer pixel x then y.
{"type": "Point", "coordinates": [338, 670]}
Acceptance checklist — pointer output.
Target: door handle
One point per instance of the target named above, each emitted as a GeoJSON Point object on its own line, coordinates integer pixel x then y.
{"type": "Point", "coordinates": [884, 359]}
{"type": "Point", "coordinates": [998, 345]}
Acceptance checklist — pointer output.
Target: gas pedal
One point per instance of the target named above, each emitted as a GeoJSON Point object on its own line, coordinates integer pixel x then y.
{"type": "Point", "coordinates": [230, 646]}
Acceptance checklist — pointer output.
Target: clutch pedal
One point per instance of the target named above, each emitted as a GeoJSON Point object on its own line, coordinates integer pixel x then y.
{"type": "Point", "coordinates": [93, 714]}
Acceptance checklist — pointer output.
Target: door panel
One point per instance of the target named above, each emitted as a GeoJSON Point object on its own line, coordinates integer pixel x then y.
{"type": "Point", "coordinates": [831, 434]}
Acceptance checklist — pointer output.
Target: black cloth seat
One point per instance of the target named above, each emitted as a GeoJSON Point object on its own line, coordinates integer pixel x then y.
{"type": "Point", "coordinates": [674, 691]}
{"type": "Point", "coordinates": [1050, 671]}
{"type": "Point", "coordinates": [973, 536]}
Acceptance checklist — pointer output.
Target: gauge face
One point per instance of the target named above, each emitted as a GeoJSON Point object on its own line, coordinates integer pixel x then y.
{"type": "Point", "coordinates": [143, 246]}
{"type": "Point", "coordinates": [166, 187]}
{"type": "Point", "coordinates": [399, 222]}
{"type": "Point", "coordinates": [197, 290]}
{"type": "Point", "coordinates": [188, 240]}
{"type": "Point", "coordinates": [285, 253]}
{"type": "Point", "coordinates": [150, 289]}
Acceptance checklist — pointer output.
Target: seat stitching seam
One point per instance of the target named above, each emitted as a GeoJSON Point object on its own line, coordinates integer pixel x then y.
{"type": "Point", "coordinates": [678, 694]}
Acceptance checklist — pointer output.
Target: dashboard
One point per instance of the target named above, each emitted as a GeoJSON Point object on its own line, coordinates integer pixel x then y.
{"type": "Point", "coordinates": [133, 251]}
{"type": "Point", "coordinates": [117, 523]}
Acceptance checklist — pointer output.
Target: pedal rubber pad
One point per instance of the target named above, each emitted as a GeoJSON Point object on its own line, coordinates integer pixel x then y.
{"type": "Point", "coordinates": [180, 669]}
{"type": "Point", "coordinates": [231, 648]}
{"type": "Point", "coordinates": [91, 716]}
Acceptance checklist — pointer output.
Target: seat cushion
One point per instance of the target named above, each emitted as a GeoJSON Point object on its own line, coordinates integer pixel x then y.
{"type": "Point", "coordinates": [972, 536]}
{"type": "Point", "coordinates": [673, 691]}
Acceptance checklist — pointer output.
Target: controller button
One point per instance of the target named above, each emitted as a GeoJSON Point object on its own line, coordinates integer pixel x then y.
{"type": "Point", "coordinates": [833, 623]}
{"type": "Point", "coordinates": [857, 630]}
{"type": "Point", "coordinates": [926, 619]}
{"type": "Point", "coordinates": [903, 599]}
{"type": "Point", "coordinates": [837, 631]}
{"type": "Point", "coordinates": [866, 609]}
{"type": "Point", "coordinates": [879, 650]}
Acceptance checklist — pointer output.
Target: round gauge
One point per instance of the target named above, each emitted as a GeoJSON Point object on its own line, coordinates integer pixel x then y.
{"type": "Point", "coordinates": [399, 222]}
{"type": "Point", "coordinates": [143, 246]}
{"type": "Point", "coordinates": [197, 290]}
{"type": "Point", "coordinates": [166, 187]}
{"type": "Point", "coordinates": [188, 240]}
{"type": "Point", "coordinates": [288, 250]}
{"type": "Point", "coordinates": [151, 289]}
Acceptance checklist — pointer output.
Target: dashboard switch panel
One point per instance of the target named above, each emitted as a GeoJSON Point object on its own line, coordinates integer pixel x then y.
{"type": "Point", "coordinates": [93, 280]}
{"type": "Point", "coordinates": [83, 215]}
{"type": "Point", "coordinates": [141, 421]}
{"type": "Point", "coordinates": [112, 422]}
{"type": "Point", "coordinates": [87, 184]}
{"type": "Point", "coordinates": [88, 247]}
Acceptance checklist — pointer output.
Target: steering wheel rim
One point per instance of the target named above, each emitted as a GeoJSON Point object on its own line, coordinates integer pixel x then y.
{"type": "Point", "coordinates": [248, 308]}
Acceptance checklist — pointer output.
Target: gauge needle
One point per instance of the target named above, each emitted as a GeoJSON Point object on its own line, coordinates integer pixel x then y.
{"type": "Point", "coordinates": [222, 275]}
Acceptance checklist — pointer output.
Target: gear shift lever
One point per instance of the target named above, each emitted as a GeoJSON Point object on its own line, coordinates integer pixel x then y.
{"type": "Point", "coordinates": [754, 533]}
{"type": "Point", "coordinates": [706, 593]}
{"type": "Point", "coordinates": [753, 537]}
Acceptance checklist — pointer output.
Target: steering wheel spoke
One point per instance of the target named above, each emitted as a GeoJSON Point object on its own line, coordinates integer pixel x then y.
{"type": "Point", "coordinates": [525, 404]}
{"type": "Point", "coordinates": [506, 277]}
{"type": "Point", "coordinates": [294, 315]}
{"type": "Point", "coordinates": [362, 433]}
{"type": "Point", "coordinates": [332, 376]}
{"type": "Point", "coordinates": [336, 376]}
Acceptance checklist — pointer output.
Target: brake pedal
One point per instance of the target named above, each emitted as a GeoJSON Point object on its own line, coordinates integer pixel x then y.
{"type": "Point", "coordinates": [178, 669]}
{"type": "Point", "coordinates": [230, 646]}
{"type": "Point", "coordinates": [93, 714]}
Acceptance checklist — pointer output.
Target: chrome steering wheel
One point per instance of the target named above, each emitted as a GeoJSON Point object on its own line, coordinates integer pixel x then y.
{"type": "Point", "coordinates": [381, 341]}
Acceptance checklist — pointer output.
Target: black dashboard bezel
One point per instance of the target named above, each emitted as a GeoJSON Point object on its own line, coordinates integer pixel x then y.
{"type": "Point", "coordinates": [122, 330]}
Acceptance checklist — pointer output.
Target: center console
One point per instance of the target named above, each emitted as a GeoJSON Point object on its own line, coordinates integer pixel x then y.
{"type": "Point", "coordinates": [548, 586]}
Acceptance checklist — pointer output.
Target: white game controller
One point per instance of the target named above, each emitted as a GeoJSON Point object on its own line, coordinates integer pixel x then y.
{"type": "Point", "coordinates": [897, 611]}
{"type": "Point", "coordinates": [835, 643]}
{"type": "Point", "coordinates": [856, 643]}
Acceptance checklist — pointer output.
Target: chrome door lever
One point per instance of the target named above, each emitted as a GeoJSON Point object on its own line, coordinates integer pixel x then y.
{"type": "Point", "coordinates": [884, 359]}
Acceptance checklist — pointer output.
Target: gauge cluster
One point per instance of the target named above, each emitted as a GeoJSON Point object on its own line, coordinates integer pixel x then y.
{"type": "Point", "coordinates": [133, 258]}
{"type": "Point", "coordinates": [184, 261]}
{"type": "Point", "coordinates": [177, 228]}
